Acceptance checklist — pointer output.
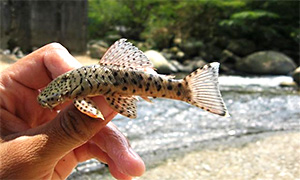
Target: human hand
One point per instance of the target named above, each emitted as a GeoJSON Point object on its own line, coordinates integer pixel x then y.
{"type": "Point", "coordinates": [36, 143]}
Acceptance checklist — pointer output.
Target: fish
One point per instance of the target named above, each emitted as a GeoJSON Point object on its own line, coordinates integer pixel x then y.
{"type": "Point", "coordinates": [125, 73]}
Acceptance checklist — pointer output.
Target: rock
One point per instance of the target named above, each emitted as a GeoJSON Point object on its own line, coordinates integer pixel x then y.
{"type": "Point", "coordinates": [266, 62]}
{"type": "Point", "coordinates": [288, 84]}
{"type": "Point", "coordinates": [195, 63]}
{"type": "Point", "coordinates": [241, 47]}
{"type": "Point", "coordinates": [296, 75]}
{"type": "Point", "coordinates": [177, 41]}
{"type": "Point", "coordinates": [181, 67]}
{"type": "Point", "coordinates": [98, 42]}
{"type": "Point", "coordinates": [160, 62]}
{"type": "Point", "coordinates": [96, 51]}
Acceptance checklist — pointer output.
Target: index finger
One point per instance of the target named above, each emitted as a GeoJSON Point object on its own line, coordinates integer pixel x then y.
{"type": "Point", "coordinates": [40, 67]}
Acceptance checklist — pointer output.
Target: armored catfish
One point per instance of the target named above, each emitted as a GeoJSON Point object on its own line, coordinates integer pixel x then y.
{"type": "Point", "coordinates": [124, 73]}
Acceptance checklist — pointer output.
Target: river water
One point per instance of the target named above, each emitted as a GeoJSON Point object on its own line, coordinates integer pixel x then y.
{"type": "Point", "coordinates": [166, 128]}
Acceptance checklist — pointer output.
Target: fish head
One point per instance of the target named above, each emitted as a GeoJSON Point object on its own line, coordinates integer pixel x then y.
{"type": "Point", "coordinates": [56, 92]}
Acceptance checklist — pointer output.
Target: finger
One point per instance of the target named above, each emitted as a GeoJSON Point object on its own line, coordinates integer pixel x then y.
{"type": "Point", "coordinates": [68, 130]}
{"type": "Point", "coordinates": [42, 65]}
{"type": "Point", "coordinates": [114, 143]}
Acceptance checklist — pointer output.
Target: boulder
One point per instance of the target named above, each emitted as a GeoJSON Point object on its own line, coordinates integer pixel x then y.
{"type": "Point", "coordinates": [296, 75]}
{"type": "Point", "coordinates": [160, 62]}
{"type": "Point", "coordinates": [266, 62]}
{"type": "Point", "coordinates": [96, 51]}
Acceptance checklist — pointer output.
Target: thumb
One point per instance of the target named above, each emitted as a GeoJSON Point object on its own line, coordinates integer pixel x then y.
{"type": "Point", "coordinates": [71, 128]}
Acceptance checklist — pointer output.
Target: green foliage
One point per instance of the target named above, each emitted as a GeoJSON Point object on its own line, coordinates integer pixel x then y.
{"type": "Point", "coordinates": [268, 24]}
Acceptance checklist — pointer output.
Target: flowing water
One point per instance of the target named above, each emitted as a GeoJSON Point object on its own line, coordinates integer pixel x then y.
{"type": "Point", "coordinates": [166, 128]}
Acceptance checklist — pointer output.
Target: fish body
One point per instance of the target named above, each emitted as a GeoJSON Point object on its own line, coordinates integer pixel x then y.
{"type": "Point", "coordinates": [123, 73]}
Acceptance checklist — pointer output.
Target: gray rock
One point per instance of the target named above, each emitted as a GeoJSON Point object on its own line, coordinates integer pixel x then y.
{"type": "Point", "coordinates": [181, 67]}
{"type": "Point", "coordinates": [296, 75]}
{"type": "Point", "coordinates": [98, 42]}
{"type": "Point", "coordinates": [266, 62]}
{"type": "Point", "coordinates": [96, 51]}
{"type": "Point", "coordinates": [160, 62]}
{"type": "Point", "coordinates": [195, 63]}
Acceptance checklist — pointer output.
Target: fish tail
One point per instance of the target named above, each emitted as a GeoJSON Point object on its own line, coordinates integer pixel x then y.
{"type": "Point", "coordinates": [204, 89]}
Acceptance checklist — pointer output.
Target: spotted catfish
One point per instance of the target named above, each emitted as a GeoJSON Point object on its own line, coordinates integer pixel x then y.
{"type": "Point", "coordinates": [124, 73]}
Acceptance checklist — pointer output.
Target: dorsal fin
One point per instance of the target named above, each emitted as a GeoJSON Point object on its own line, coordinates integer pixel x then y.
{"type": "Point", "coordinates": [125, 105]}
{"type": "Point", "coordinates": [124, 54]}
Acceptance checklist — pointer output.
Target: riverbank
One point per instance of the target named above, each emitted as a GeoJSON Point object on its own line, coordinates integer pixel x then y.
{"type": "Point", "coordinates": [270, 157]}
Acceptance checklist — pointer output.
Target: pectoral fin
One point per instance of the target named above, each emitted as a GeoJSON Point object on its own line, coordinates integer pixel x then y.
{"type": "Point", "coordinates": [125, 105]}
{"type": "Point", "coordinates": [88, 107]}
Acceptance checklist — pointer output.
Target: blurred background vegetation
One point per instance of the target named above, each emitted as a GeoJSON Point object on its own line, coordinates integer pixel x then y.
{"type": "Point", "coordinates": [241, 26]}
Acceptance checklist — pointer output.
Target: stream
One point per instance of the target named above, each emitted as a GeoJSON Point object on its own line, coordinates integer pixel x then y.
{"type": "Point", "coordinates": [167, 128]}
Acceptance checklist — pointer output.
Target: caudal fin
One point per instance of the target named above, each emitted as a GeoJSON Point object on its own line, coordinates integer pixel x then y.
{"type": "Point", "coordinates": [205, 92]}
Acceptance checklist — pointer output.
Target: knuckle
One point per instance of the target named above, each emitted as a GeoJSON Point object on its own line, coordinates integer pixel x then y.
{"type": "Point", "coordinates": [55, 45]}
{"type": "Point", "coordinates": [75, 126]}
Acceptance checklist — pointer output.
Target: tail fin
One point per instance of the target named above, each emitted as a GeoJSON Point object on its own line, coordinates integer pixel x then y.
{"type": "Point", "coordinates": [205, 92]}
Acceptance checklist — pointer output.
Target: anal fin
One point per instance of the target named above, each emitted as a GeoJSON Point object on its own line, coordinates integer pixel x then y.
{"type": "Point", "coordinates": [125, 105]}
{"type": "Point", "coordinates": [88, 107]}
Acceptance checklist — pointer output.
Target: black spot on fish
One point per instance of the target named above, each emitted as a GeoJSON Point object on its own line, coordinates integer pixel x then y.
{"type": "Point", "coordinates": [80, 81]}
{"type": "Point", "coordinates": [115, 74]}
{"type": "Point", "coordinates": [124, 80]}
{"type": "Point", "coordinates": [124, 88]}
{"type": "Point", "coordinates": [158, 87]}
{"type": "Point", "coordinates": [134, 81]}
{"type": "Point", "coordinates": [141, 77]}
{"type": "Point", "coordinates": [163, 95]}
{"type": "Point", "coordinates": [116, 84]}
{"type": "Point", "coordinates": [110, 78]}
{"type": "Point", "coordinates": [105, 84]}
{"type": "Point", "coordinates": [160, 78]}
{"type": "Point", "coordinates": [150, 78]}
{"type": "Point", "coordinates": [178, 93]}
{"type": "Point", "coordinates": [179, 85]}
{"type": "Point", "coordinates": [170, 87]}
{"type": "Point", "coordinates": [133, 91]}
{"type": "Point", "coordinates": [107, 92]}
{"type": "Point", "coordinates": [126, 74]}
{"type": "Point", "coordinates": [103, 77]}
{"type": "Point", "coordinates": [81, 88]}
{"type": "Point", "coordinates": [108, 98]}
{"type": "Point", "coordinates": [121, 111]}
{"type": "Point", "coordinates": [90, 84]}
{"type": "Point", "coordinates": [140, 86]}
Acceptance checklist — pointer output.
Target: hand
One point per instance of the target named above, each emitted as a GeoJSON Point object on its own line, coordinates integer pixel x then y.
{"type": "Point", "coordinates": [38, 143]}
